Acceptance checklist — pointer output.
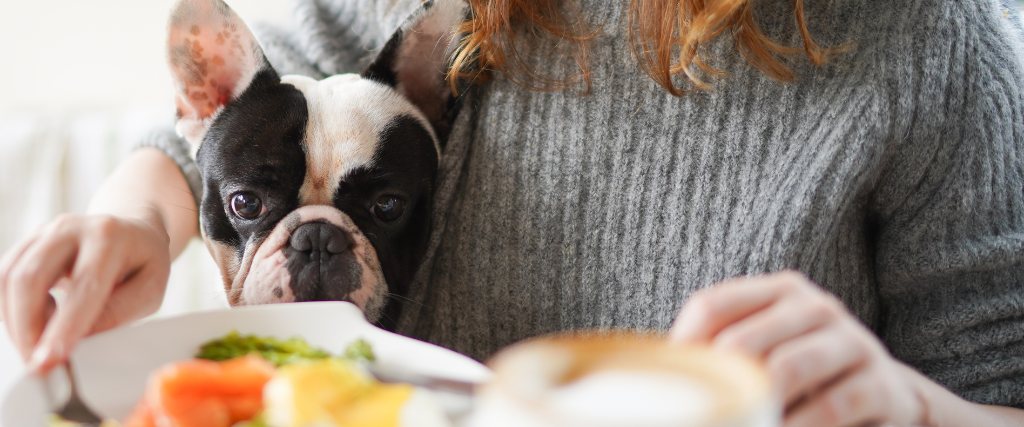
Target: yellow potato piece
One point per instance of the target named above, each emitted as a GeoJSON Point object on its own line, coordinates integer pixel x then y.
{"type": "Point", "coordinates": [380, 408]}
{"type": "Point", "coordinates": [331, 392]}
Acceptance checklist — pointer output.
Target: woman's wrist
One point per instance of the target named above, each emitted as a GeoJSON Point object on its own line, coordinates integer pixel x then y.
{"type": "Point", "coordinates": [930, 396]}
{"type": "Point", "coordinates": [942, 408]}
{"type": "Point", "coordinates": [939, 406]}
{"type": "Point", "coordinates": [156, 221]}
{"type": "Point", "coordinates": [145, 217]}
{"type": "Point", "coordinates": [149, 187]}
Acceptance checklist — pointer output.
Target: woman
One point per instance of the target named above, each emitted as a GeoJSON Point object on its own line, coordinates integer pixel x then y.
{"type": "Point", "coordinates": [885, 167]}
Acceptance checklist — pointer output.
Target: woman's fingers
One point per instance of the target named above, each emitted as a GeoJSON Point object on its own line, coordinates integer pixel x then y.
{"type": "Point", "coordinates": [875, 394]}
{"type": "Point", "coordinates": [830, 369]}
{"type": "Point", "coordinates": [30, 279]}
{"type": "Point", "coordinates": [793, 314]}
{"type": "Point", "coordinates": [806, 336]}
{"type": "Point", "coordinates": [804, 365]}
{"type": "Point", "coordinates": [707, 312]}
{"type": "Point", "coordinates": [140, 293]}
{"type": "Point", "coordinates": [86, 258]}
{"type": "Point", "coordinates": [99, 266]}
{"type": "Point", "coordinates": [852, 401]}
{"type": "Point", "coordinates": [6, 262]}
{"type": "Point", "coordinates": [139, 296]}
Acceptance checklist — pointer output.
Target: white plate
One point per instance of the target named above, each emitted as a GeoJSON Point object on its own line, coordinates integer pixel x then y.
{"type": "Point", "coordinates": [112, 367]}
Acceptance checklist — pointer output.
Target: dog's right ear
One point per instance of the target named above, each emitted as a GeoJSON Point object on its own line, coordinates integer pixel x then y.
{"type": "Point", "coordinates": [415, 60]}
{"type": "Point", "coordinates": [213, 58]}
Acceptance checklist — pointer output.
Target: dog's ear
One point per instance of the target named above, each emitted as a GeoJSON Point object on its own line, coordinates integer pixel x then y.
{"type": "Point", "coordinates": [213, 58]}
{"type": "Point", "coordinates": [415, 60]}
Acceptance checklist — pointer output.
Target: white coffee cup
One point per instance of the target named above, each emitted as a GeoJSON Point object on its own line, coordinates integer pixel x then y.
{"type": "Point", "coordinates": [611, 379]}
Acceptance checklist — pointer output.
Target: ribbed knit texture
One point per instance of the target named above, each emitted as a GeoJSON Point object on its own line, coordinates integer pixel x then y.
{"type": "Point", "coordinates": [177, 149]}
{"type": "Point", "coordinates": [893, 176]}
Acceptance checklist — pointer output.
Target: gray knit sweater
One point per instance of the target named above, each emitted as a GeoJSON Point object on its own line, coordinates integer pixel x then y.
{"type": "Point", "coordinates": [893, 177]}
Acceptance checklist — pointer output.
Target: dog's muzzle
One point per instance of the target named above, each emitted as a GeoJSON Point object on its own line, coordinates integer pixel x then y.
{"type": "Point", "coordinates": [316, 253]}
{"type": "Point", "coordinates": [321, 263]}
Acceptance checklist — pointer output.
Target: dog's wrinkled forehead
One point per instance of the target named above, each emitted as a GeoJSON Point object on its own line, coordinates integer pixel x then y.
{"type": "Point", "coordinates": [346, 117]}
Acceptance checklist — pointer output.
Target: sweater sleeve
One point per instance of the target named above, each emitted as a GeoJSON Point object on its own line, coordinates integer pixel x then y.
{"type": "Point", "coordinates": [950, 206]}
{"type": "Point", "coordinates": [177, 149]}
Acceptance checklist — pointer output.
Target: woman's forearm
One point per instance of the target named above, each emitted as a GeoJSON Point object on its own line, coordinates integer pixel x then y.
{"type": "Point", "coordinates": [952, 411]}
{"type": "Point", "coordinates": [945, 409]}
{"type": "Point", "coordinates": [149, 186]}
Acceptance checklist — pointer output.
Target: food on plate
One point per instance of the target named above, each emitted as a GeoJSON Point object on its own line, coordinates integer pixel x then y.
{"type": "Point", "coordinates": [359, 351]}
{"type": "Point", "coordinates": [203, 393]}
{"type": "Point", "coordinates": [331, 392]}
{"type": "Point", "coordinates": [274, 350]}
{"type": "Point", "coordinates": [251, 381]}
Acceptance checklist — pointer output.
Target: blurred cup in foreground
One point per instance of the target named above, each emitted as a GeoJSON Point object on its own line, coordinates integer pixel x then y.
{"type": "Point", "coordinates": [605, 379]}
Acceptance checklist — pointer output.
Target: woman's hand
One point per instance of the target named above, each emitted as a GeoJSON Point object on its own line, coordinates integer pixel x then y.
{"type": "Point", "coordinates": [112, 271]}
{"type": "Point", "coordinates": [829, 369]}
{"type": "Point", "coordinates": [112, 266]}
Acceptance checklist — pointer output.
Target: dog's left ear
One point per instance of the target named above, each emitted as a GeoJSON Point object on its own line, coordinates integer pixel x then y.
{"type": "Point", "coordinates": [213, 58]}
{"type": "Point", "coordinates": [415, 60]}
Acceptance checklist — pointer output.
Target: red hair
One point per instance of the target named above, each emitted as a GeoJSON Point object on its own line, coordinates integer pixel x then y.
{"type": "Point", "coordinates": [666, 36]}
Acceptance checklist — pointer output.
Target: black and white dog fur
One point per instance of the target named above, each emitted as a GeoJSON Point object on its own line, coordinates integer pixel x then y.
{"type": "Point", "coordinates": [313, 190]}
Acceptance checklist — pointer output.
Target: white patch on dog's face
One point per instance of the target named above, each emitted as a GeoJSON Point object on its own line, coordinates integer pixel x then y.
{"type": "Point", "coordinates": [347, 115]}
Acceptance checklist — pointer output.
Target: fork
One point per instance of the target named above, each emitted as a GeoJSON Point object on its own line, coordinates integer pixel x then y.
{"type": "Point", "coordinates": [75, 409]}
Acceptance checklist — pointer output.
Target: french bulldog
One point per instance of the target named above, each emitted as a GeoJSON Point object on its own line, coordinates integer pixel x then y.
{"type": "Point", "coordinates": [313, 189]}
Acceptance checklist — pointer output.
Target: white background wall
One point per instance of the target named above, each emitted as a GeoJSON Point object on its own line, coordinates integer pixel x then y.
{"type": "Point", "coordinates": [88, 54]}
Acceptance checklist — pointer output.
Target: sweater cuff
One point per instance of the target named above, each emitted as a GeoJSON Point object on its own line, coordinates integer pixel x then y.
{"type": "Point", "coordinates": [177, 149]}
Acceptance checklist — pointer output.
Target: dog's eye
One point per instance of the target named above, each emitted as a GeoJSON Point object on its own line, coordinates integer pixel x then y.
{"type": "Point", "coordinates": [246, 205]}
{"type": "Point", "coordinates": [388, 208]}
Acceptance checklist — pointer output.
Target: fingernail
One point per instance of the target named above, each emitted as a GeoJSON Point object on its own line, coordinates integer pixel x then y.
{"type": "Point", "coordinates": [683, 328]}
{"type": "Point", "coordinates": [39, 356]}
{"type": "Point", "coordinates": [44, 358]}
{"type": "Point", "coordinates": [680, 335]}
{"type": "Point", "coordinates": [675, 336]}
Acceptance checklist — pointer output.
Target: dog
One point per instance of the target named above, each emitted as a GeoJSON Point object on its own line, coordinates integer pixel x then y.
{"type": "Point", "coordinates": [313, 189]}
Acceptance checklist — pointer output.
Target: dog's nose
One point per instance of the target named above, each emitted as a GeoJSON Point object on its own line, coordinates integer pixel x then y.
{"type": "Point", "coordinates": [319, 237]}
{"type": "Point", "coordinates": [321, 263]}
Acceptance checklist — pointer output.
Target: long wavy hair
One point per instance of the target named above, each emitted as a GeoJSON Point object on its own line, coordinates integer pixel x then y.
{"type": "Point", "coordinates": [666, 36]}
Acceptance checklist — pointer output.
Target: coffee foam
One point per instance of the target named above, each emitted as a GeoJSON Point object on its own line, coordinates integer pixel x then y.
{"type": "Point", "coordinates": [619, 398]}
{"type": "Point", "coordinates": [617, 379]}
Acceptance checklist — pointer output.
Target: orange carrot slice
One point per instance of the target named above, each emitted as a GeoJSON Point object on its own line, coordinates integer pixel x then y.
{"type": "Point", "coordinates": [203, 393]}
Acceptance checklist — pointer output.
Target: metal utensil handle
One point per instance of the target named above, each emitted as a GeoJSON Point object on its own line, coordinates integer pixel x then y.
{"type": "Point", "coordinates": [421, 380]}
{"type": "Point", "coordinates": [75, 409]}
